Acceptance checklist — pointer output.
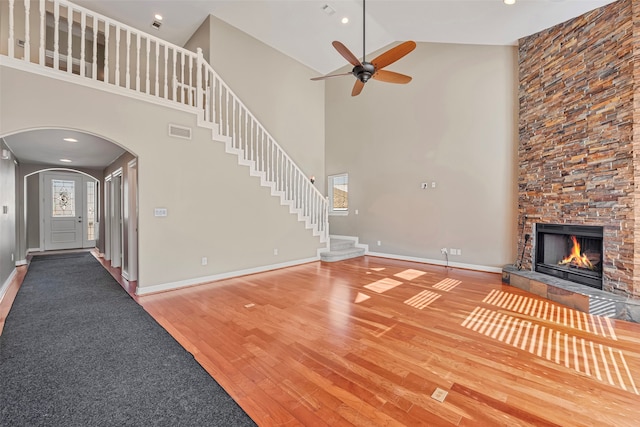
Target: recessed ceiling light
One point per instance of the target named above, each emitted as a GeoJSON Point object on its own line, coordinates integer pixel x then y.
{"type": "Point", "coordinates": [71, 140]}
{"type": "Point", "coordinates": [345, 20]}
{"type": "Point", "coordinates": [158, 16]}
{"type": "Point", "coordinates": [65, 160]}
{"type": "Point", "coordinates": [509, 2]}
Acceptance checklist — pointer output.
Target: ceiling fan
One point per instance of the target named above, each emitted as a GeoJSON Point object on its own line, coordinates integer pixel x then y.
{"type": "Point", "coordinates": [363, 71]}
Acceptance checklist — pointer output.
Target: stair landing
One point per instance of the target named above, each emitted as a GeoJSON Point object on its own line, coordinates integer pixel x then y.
{"type": "Point", "coordinates": [341, 249]}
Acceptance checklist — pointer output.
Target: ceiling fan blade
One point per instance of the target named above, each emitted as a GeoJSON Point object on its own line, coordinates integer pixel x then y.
{"type": "Point", "coordinates": [357, 88]}
{"type": "Point", "coordinates": [393, 54]}
{"type": "Point", "coordinates": [346, 53]}
{"type": "Point", "coordinates": [391, 77]}
{"type": "Point", "coordinates": [331, 75]}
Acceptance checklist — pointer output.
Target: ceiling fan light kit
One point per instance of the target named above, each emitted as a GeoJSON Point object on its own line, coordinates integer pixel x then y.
{"type": "Point", "coordinates": [364, 71]}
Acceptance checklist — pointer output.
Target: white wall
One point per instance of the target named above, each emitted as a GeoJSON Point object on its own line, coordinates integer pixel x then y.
{"type": "Point", "coordinates": [455, 124]}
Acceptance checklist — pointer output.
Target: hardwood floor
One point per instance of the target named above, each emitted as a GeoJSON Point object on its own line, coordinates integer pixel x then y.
{"type": "Point", "coordinates": [10, 295]}
{"type": "Point", "coordinates": [367, 342]}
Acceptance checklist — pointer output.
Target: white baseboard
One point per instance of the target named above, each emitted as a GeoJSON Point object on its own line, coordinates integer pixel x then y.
{"type": "Point", "coordinates": [439, 262]}
{"type": "Point", "coordinates": [145, 290]}
{"type": "Point", "coordinates": [21, 262]}
{"type": "Point", "coordinates": [34, 250]}
{"type": "Point", "coordinates": [5, 285]}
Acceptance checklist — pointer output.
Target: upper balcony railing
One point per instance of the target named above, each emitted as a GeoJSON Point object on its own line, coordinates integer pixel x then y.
{"type": "Point", "coordinates": [65, 38]}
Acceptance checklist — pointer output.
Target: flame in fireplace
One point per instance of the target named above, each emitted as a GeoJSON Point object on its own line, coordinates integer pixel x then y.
{"type": "Point", "coordinates": [576, 257]}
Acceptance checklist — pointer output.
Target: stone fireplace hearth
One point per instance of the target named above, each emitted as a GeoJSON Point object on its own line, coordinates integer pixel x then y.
{"type": "Point", "coordinates": [573, 295]}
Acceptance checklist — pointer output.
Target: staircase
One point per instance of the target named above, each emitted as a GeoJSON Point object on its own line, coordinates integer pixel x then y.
{"type": "Point", "coordinates": [112, 56]}
{"type": "Point", "coordinates": [341, 249]}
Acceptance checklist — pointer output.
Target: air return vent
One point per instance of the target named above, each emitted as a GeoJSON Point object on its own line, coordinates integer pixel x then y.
{"type": "Point", "coordinates": [179, 131]}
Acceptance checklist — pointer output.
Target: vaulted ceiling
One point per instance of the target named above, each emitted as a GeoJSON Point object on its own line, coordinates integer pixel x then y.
{"type": "Point", "coordinates": [303, 30]}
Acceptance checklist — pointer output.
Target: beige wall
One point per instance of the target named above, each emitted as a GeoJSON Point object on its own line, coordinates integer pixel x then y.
{"type": "Point", "coordinates": [455, 124]}
{"type": "Point", "coordinates": [201, 39]}
{"type": "Point", "coordinates": [215, 208]}
{"type": "Point", "coordinates": [278, 92]}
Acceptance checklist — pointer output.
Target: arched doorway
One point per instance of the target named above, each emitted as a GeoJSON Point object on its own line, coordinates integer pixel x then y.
{"type": "Point", "coordinates": [61, 195]}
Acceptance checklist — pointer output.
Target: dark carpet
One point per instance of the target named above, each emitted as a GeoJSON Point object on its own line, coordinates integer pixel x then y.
{"type": "Point", "coordinates": [78, 351]}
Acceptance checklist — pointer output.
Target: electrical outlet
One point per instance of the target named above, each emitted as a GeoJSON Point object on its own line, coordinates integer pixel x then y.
{"type": "Point", "coordinates": [425, 186]}
{"type": "Point", "coordinates": [275, 252]}
{"type": "Point", "coordinates": [205, 261]}
{"type": "Point", "coordinates": [453, 251]}
{"type": "Point", "coordinates": [433, 184]}
{"type": "Point", "coordinates": [459, 251]}
{"type": "Point", "coordinates": [443, 250]}
{"type": "Point", "coordinates": [379, 242]}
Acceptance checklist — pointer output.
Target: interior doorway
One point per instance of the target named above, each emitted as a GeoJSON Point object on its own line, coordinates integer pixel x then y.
{"type": "Point", "coordinates": [67, 210]}
{"type": "Point", "coordinates": [113, 209]}
{"type": "Point", "coordinates": [130, 267]}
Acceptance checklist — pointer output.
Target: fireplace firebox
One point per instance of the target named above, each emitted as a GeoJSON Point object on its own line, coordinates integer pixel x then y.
{"type": "Point", "coordinates": [571, 252]}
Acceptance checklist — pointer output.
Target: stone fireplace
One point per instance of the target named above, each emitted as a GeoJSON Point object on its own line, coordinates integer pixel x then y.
{"type": "Point", "coordinates": [579, 148]}
{"type": "Point", "coordinates": [570, 252]}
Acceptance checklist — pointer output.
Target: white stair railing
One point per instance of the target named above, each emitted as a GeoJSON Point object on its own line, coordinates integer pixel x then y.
{"type": "Point", "coordinates": [66, 38]}
{"type": "Point", "coordinates": [250, 140]}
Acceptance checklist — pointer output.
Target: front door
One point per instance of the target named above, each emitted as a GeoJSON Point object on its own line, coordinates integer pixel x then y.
{"type": "Point", "coordinates": [64, 211]}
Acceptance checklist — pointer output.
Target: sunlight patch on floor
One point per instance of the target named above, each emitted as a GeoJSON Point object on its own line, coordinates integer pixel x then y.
{"type": "Point", "coordinates": [539, 309]}
{"type": "Point", "coordinates": [447, 284]}
{"type": "Point", "coordinates": [361, 297]}
{"type": "Point", "coordinates": [383, 285]}
{"type": "Point", "coordinates": [422, 300]}
{"type": "Point", "coordinates": [410, 274]}
{"type": "Point", "coordinates": [603, 362]}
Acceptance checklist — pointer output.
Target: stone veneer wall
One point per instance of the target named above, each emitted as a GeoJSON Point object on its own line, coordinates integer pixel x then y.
{"type": "Point", "coordinates": [579, 147]}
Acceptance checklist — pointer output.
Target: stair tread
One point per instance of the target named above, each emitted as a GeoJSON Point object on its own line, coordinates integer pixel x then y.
{"type": "Point", "coordinates": [339, 244]}
{"type": "Point", "coordinates": [345, 251]}
{"type": "Point", "coordinates": [342, 254]}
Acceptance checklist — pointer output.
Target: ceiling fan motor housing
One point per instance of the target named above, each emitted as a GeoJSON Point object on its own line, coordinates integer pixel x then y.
{"type": "Point", "coordinates": [364, 71]}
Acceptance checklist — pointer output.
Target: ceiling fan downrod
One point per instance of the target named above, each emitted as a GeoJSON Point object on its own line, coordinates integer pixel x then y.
{"type": "Point", "coordinates": [364, 20]}
{"type": "Point", "coordinates": [365, 70]}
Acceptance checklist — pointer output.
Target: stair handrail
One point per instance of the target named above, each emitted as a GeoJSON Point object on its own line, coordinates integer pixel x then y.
{"type": "Point", "coordinates": [208, 67]}
{"type": "Point", "coordinates": [90, 20]}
